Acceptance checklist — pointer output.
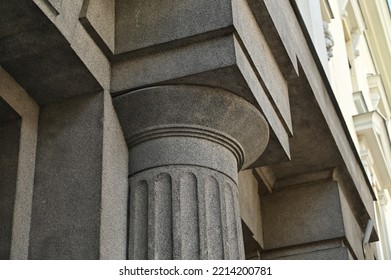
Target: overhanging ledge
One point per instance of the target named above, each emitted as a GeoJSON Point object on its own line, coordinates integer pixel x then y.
{"type": "Point", "coordinates": [39, 57]}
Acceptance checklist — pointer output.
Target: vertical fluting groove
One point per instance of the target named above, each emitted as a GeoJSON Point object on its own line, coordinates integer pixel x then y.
{"type": "Point", "coordinates": [185, 217]}
{"type": "Point", "coordinates": [138, 220]}
{"type": "Point", "coordinates": [224, 220]}
{"type": "Point", "coordinates": [235, 196]}
{"type": "Point", "coordinates": [189, 217]}
{"type": "Point", "coordinates": [176, 218]}
{"type": "Point", "coordinates": [213, 219]}
{"type": "Point", "coordinates": [232, 234]}
{"type": "Point", "coordinates": [184, 214]}
{"type": "Point", "coordinates": [160, 235]}
{"type": "Point", "coordinates": [202, 218]}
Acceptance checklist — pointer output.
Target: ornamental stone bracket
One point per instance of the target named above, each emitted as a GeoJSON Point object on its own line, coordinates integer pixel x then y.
{"type": "Point", "coordinates": [186, 146]}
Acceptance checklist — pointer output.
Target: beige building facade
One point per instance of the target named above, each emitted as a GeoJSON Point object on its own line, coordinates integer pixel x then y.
{"type": "Point", "coordinates": [359, 34]}
{"type": "Point", "coordinates": [189, 130]}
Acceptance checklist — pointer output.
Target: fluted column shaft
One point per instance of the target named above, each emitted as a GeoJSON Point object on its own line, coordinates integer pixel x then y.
{"type": "Point", "coordinates": [185, 211]}
{"type": "Point", "coordinates": [186, 146]}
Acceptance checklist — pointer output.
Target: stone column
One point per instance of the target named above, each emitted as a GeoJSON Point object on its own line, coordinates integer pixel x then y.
{"type": "Point", "coordinates": [186, 145]}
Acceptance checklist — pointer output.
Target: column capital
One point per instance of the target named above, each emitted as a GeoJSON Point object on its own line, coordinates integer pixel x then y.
{"type": "Point", "coordinates": [200, 112]}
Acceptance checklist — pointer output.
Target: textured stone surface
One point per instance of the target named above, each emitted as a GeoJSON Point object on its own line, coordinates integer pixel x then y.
{"type": "Point", "coordinates": [209, 52]}
{"type": "Point", "coordinates": [83, 24]}
{"type": "Point", "coordinates": [302, 249]}
{"type": "Point", "coordinates": [205, 43]}
{"type": "Point", "coordinates": [39, 58]}
{"type": "Point", "coordinates": [10, 124]}
{"type": "Point", "coordinates": [213, 53]}
{"type": "Point", "coordinates": [98, 17]}
{"type": "Point", "coordinates": [329, 117]}
{"type": "Point", "coordinates": [208, 110]}
{"type": "Point", "coordinates": [312, 128]}
{"type": "Point", "coordinates": [220, 62]}
{"type": "Point", "coordinates": [341, 253]}
{"type": "Point", "coordinates": [271, 17]}
{"type": "Point", "coordinates": [184, 212]}
{"type": "Point", "coordinates": [265, 64]}
{"type": "Point", "coordinates": [302, 214]}
{"type": "Point", "coordinates": [114, 207]}
{"type": "Point", "coordinates": [316, 209]}
{"type": "Point", "coordinates": [180, 149]}
{"type": "Point", "coordinates": [67, 191]}
{"type": "Point", "coordinates": [56, 4]}
{"type": "Point", "coordinates": [354, 234]}
{"type": "Point", "coordinates": [165, 21]}
{"type": "Point", "coordinates": [184, 155]}
{"type": "Point", "coordinates": [278, 148]}
{"type": "Point", "coordinates": [28, 110]}
{"type": "Point", "coordinates": [6, 112]}
{"type": "Point", "coordinates": [250, 204]}
{"type": "Point", "coordinates": [9, 153]}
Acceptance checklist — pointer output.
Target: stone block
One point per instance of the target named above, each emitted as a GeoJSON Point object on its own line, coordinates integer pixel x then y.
{"type": "Point", "coordinates": [302, 214]}
{"type": "Point", "coordinates": [272, 17]}
{"type": "Point", "coordinates": [211, 59]}
{"type": "Point", "coordinates": [19, 16]}
{"type": "Point", "coordinates": [52, 75]}
{"type": "Point", "coordinates": [250, 204]}
{"type": "Point", "coordinates": [353, 231]}
{"type": "Point", "coordinates": [296, 42]}
{"type": "Point", "coordinates": [222, 46]}
{"type": "Point", "coordinates": [39, 58]}
{"type": "Point", "coordinates": [114, 208]}
{"type": "Point", "coordinates": [66, 217]}
{"type": "Point", "coordinates": [56, 4]}
{"type": "Point", "coordinates": [341, 253]}
{"type": "Point", "coordinates": [100, 16]}
{"type": "Point", "coordinates": [325, 249]}
{"type": "Point", "coordinates": [260, 54]}
{"type": "Point", "coordinates": [24, 106]}
{"type": "Point", "coordinates": [172, 64]}
{"type": "Point", "coordinates": [143, 24]}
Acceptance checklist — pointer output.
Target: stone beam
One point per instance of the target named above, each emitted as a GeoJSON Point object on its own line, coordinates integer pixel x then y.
{"type": "Point", "coordinates": [308, 219]}
{"type": "Point", "coordinates": [39, 57]}
{"type": "Point", "coordinates": [24, 106]}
